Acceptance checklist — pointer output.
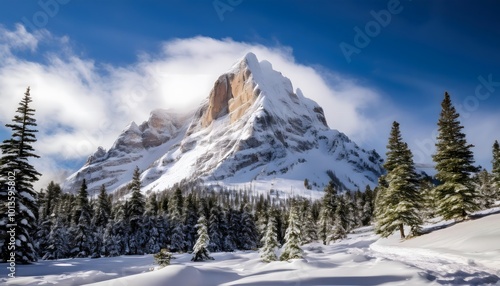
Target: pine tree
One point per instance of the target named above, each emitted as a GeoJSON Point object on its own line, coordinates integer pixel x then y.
{"type": "Point", "coordinates": [495, 171]}
{"type": "Point", "coordinates": [57, 242]}
{"type": "Point", "coordinates": [455, 196]}
{"type": "Point", "coordinates": [135, 212]}
{"type": "Point", "coordinates": [103, 210]}
{"type": "Point", "coordinates": [486, 191]}
{"type": "Point", "coordinates": [177, 240]}
{"type": "Point", "coordinates": [291, 248]}
{"type": "Point", "coordinates": [328, 205]}
{"type": "Point", "coordinates": [200, 249]}
{"type": "Point", "coordinates": [309, 226]}
{"type": "Point", "coordinates": [399, 203]}
{"type": "Point", "coordinates": [215, 229]}
{"type": "Point", "coordinates": [151, 225]}
{"type": "Point", "coordinates": [247, 235]}
{"type": "Point", "coordinates": [190, 221]}
{"type": "Point", "coordinates": [81, 232]}
{"type": "Point", "coordinates": [340, 221]}
{"type": "Point", "coordinates": [17, 176]}
{"type": "Point", "coordinates": [269, 242]}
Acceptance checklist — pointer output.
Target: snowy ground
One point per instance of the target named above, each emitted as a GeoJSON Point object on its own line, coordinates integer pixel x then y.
{"type": "Point", "coordinates": [466, 253]}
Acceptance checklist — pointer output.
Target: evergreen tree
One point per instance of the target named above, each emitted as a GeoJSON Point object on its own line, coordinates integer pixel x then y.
{"type": "Point", "coordinates": [57, 242]}
{"type": "Point", "coordinates": [103, 210]}
{"type": "Point", "coordinates": [368, 208]}
{"type": "Point", "coordinates": [190, 221]}
{"type": "Point", "coordinates": [486, 191]}
{"type": "Point", "coordinates": [340, 221]}
{"type": "Point", "coordinates": [495, 171]}
{"type": "Point", "coordinates": [200, 249]}
{"type": "Point", "coordinates": [399, 203]}
{"type": "Point", "coordinates": [135, 212]}
{"type": "Point", "coordinates": [328, 206]}
{"type": "Point", "coordinates": [269, 242]}
{"type": "Point", "coordinates": [151, 224]}
{"type": "Point", "coordinates": [177, 240]}
{"type": "Point", "coordinates": [309, 226]}
{"type": "Point", "coordinates": [229, 218]}
{"type": "Point", "coordinates": [291, 248]}
{"type": "Point", "coordinates": [81, 231]}
{"type": "Point", "coordinates": [17, 176]}
{"type": "Point", "coordinates": [247, 235]}
{"type": "Point", "coordinates": [455, 196]}
{"type": "Point", "coordinates": [215, 229]}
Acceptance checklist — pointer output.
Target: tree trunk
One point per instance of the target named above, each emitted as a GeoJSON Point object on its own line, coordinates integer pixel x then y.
{"type": "Point", "coordinates": [402, 231]}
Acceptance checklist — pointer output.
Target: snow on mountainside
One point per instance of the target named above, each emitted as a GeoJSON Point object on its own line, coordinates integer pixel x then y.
{"type": "Point", "coordinates": [253, 127]}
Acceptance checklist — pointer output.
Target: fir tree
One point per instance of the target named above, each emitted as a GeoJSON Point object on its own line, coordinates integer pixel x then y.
{"type": "Point", "coordinates": [177, 240]}
{"type": "Point", "coordinates": [486, 191]}
{"type": "Point", "coordinates": [309, 226]}
{"type": "Point", "coordinates": [17, 176]}
{"type": "Point", "coordinates": [495, 171]}
{"type": "Point", "coordinates": [200, 249]}
{"type": "Point", "coordinates": [57, 242]}
{"type": "Point", "coordinates": [340, 221]}
{"type": "Point", "coordinates": [455, 196]}
{"type": "Point", "coordinates": [135, 212]}
{"type": "Point", "coordinates": [247, 235]}
{"type": "Point", "coordinates": [399, 203]}
{"type": "Point", "coordinates": [269, 242]}
{"type": "Point", "coordinates": [215, 229]}
{"type": "Point", "coordinates": [291, 248]}
{"type": "Point", "coordinates": [328, 206]}
{"type": "Point", "coordinates": [103, 210]}
{"type": "Point", "coordinates": [82, 233]}
{"type": "Point", "coordinates": [190, 221]}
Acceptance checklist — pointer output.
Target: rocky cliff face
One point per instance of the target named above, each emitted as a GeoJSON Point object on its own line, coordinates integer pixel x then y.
{"type": "Point", "coordinates": [252, 128]}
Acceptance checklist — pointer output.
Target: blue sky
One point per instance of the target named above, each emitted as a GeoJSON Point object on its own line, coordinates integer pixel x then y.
{"type": "Point", "coordinates": [399, 73]}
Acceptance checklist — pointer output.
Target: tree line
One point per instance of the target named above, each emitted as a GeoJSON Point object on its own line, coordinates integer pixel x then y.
{"type": "Point", "coordinates": [51, 224]}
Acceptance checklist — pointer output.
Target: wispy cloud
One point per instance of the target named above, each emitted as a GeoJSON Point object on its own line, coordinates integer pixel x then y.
{"type": "Point", "coordinates": [82, 104]}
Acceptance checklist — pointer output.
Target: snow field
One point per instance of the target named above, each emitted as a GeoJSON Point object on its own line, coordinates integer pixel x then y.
{"type": "Point", "coordinates": [466, 253]}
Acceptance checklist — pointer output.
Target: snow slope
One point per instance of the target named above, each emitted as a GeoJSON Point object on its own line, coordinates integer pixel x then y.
{"type": "Point", "coordinates": [452, 254]}
{"type": "Point", "coordinates": [253, 127]}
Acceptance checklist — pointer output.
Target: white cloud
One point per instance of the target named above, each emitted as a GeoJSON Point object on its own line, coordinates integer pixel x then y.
{"type": "Point", "coordinates": [82, 104]}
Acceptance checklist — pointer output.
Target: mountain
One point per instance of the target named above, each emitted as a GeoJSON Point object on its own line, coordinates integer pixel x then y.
{"type": "Point", "coordinates": [253, 130]}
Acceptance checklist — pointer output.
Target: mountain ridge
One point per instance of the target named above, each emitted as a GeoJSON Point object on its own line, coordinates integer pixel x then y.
{"type": "Point", "coordinates": [252, 127]}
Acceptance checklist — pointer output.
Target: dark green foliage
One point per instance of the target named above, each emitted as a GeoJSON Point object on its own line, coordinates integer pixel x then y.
{"type": "Point", "coordinates": [495, 171]}
{"type": "Point", "coordinates": [163, 257]}
{"type": "Point", "coordinates": [14, 163]}
{"type": "Point", "coordinates": [398, 201]}
{"type": "Point", "coordinates": [455, 195]}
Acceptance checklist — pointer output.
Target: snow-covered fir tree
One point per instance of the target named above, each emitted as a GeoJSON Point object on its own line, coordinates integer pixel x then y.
{"type": "Point", "coordinates": [495, 171]}
{"type": "Point", "coordinates": [57, 242]}
{"type": "Point", "coordinates": [291, 248]}
{"type": "Point", "coordinates": [200, 248]}
{"type": "Point", "coordinates": [309, 227]}
{"type": "Point", "coordinates": [399, 204]}
{"type": "Point", "coordinates": [135, 212]}
{"type": "Point", "coordinates": [177, 239]}
{"type": "Point", "coordinates": [340, 225]}
{"type": "Point", "coordinates": [190, 220]}
{"type": "Point", "coordinates": [17, 176]}
{"type": "Point", "coordinates": [215, 229]}
{"type": "Point", "coordinates": [485, 189]}
{"type": "Point", "coordinates": [82, 234]}
{"type": "Point", "coordinates": [247, 234]}
{"type": "Point", "coordinates": [455, 195]}
{"type": "Point", "coordinates": [151, 224]}
{"type": "Point", "coordinates": [269, 242]}
{"type": "Point", "coordinates": [328, 206]}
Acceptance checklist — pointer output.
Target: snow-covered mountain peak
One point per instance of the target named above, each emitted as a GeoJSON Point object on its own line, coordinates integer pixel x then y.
{"type": "Point", "coordinates": [252, 127]}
